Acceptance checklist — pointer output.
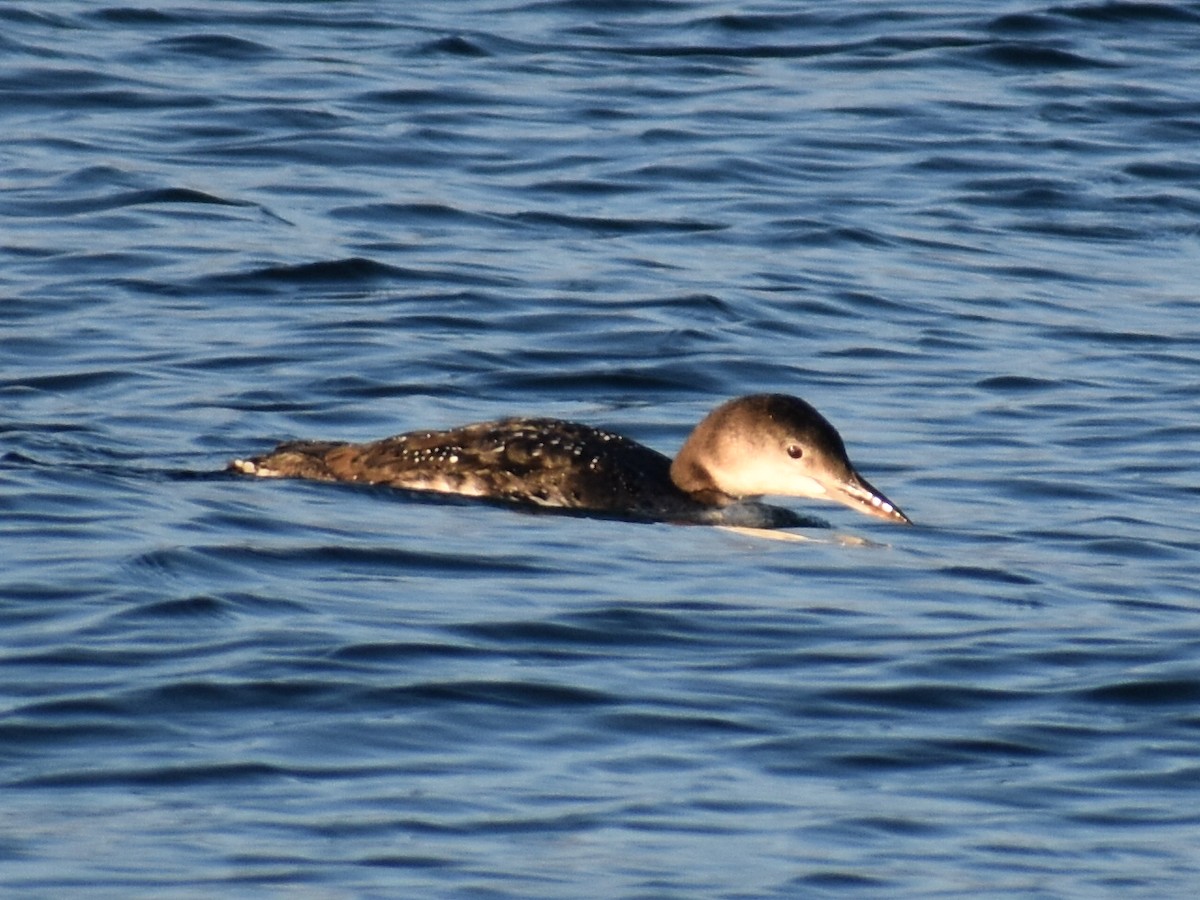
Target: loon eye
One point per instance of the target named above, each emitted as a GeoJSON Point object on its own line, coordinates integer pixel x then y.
{"type": "Point", "coordinates": [795, 451]}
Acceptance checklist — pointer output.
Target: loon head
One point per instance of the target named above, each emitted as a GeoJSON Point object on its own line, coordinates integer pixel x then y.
{"type": "Point", "coordinates": [773, 444]}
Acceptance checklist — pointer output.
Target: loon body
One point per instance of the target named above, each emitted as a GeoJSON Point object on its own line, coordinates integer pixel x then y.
{"type": "Point", "coordinates": [746, 448]}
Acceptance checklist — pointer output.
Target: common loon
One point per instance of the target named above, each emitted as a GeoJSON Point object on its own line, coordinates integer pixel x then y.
{"type": "Point", "coordinates": [745, 448]}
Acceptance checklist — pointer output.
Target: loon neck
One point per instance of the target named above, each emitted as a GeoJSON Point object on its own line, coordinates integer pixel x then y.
{"type": "Point", "coordinates": [705, 493]}
{"type": "Point", "coordinates": [692, 475]}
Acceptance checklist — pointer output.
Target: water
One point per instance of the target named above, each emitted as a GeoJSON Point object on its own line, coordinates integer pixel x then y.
{"type": "Point", "coordinates": [966, 232]}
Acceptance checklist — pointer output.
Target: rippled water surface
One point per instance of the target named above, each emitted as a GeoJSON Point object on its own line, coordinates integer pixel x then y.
{"type": "Point", "coordinates": [967, 232]}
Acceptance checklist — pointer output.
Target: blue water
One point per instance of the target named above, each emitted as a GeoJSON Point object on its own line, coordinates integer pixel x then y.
{"type": "Point", "coordinates": [969, 233]}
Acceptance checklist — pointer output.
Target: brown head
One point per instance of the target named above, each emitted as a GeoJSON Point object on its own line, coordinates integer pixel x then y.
{"type": "Point", "coordinates": [773, 444]}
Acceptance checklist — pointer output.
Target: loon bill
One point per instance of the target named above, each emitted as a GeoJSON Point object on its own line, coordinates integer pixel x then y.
{"type": "Point", "coordinates": [764, 444]}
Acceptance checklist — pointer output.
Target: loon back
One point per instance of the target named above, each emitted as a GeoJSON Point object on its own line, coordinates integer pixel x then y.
{"type": "Point", "coordinates": [546, 462]}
